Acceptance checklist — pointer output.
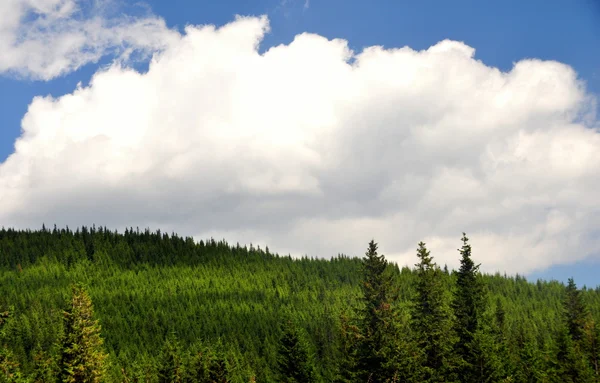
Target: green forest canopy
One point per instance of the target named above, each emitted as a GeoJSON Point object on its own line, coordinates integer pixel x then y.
{"type": "Point", "coordinates": [168, 308]}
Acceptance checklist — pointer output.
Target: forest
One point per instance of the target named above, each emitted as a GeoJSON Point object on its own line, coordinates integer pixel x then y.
{"type": "Point", "coordinates": [95, 305]}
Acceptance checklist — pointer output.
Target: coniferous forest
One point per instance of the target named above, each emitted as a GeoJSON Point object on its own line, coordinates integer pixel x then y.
{"type": "Point", "coordinates": [94, 305]}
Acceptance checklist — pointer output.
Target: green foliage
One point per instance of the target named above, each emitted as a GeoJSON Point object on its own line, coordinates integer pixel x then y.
{"type": "Point", "coordinates": [171, 363]}
{"type": "Point", "coordinates": [575, 312]}
{"type": "Point", "coordinates": [572, 366]}
{"type": "Point", "coordinates": [376, 341]}
{"type": "Point", "coordinates": [198, 367]}
{"type": "Point", "coordinates": [468, 305]}
{"type": "Point", "coordinates": [9, 368]}
{"type": "Point", "coordinates": [348, 341]}
{"type": "Point", "coordinates": [293, 360]}
{"type": "Point", "coordinates": [489, 353]}
{"type": "Point", "coordinates": [577, 343]}
{"type": "Point", "coordinates": [82, 357]}
{"type": "Point", "coordinates": [225, 304]}
{"type": "Point", "coordinates": [591, 345]}
{"type": "Point", "coordinates": [431, 320]}
{"type": "Point", "coordinates": [44, 367]}
{"type": "Point", "coordinates": [217, 370]}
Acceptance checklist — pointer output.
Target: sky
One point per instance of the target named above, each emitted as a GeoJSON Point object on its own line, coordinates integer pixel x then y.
{"type": "Point", "coordinates": [312, 126]}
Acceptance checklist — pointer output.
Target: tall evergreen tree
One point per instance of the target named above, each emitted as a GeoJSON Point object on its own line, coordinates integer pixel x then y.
{"type": "Point", "coordinates": [431, 319]}
{"type": "Point", "coordinates": [171, 364]}
{"type": "Point", "coordinates": [468, 304]}
{"type": "Point", "coordinates": [572, 365]}
{"type": "Point", "coordinates": [217, 369]}
{"type": "Point", "coordinates": [591, 345]}
{"type": "Point", "coordinates": [348, 342]}
{"type": "Point", "coordinates": [293, 359]}
{"type": "Point", "coordinates": [9, 368]}
{"type": "Point", "coordinates": [489, 360]}
{"type": "Point", "coordinates": [376, 344]}
{"type": "Point", "coordinates": [197, 370]}
{"type": "Point", "coordinates": [527, 362]}
{"type": "Point", "coordinates": [501, 338]}
{"type": "Point", "coordinates": [575, 353]}
{"type": "Point", "coordinates": [575, 312]}
{"type": "Point", "coordinates": [82, 357]}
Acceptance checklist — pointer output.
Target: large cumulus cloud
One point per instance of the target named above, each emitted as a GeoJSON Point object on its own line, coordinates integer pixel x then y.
{"type": "Point", "coordinates": [314, 149]}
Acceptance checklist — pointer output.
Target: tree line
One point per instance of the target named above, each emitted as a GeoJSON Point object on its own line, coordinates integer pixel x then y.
{"type": "Point", "coordinates": [170, 309]}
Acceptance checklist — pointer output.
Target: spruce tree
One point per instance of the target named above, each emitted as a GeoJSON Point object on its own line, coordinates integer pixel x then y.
{"type": "Point", "coordinates": [591, 345]}
{"type": "Point", "coordinates": [575, 312]}
{"type": "Point", "coordinates": [348, 340]}
{"type": "Point", "coordinates": [293, 359]}
{"type": "Point", "coordinates": [468, 304]}
{"type": "Point", "coordinates": [376, 343]}
{"type": "Point", "coordinates": [431, 319]}
{"type": "Point", "coordinates": [489, 360]}
{"type": "Point", "coordinates": [526, 364]}
{"type": "Point", "coordinates": [217, 369]}
{"type": "Point", "coordinates": [43, 367]}
{"type": "Point", "coordinates": [171, 365]}
{"type": "Point", "coordinates": [197, 370]}
{"type": "Point", "coordinates": [572, 366]}
{"type": "Point", "coordinates": [575, 360]}
{"type": "Point", "coordinates": [82, 357]}
{"type": "Point", "coordinates": [501, 339]}
{"type": "Point", "coordinates": [9, 368]}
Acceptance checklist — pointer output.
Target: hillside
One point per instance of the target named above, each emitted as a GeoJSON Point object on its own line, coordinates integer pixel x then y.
{"type": "Point", "coordinates": [164, 300]}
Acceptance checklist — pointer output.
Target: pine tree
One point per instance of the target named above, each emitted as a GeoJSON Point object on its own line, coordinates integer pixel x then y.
{"type": "Point", "coordinates": [468, 304]}
{"type": "Point", "coordinates": [575, 312]}
{"type": "Point", "coordinates": [572, 366]}
{"type": "Point", "coordinates": [348, 340]}
{"type": "Point", "coordinates": [488, 361]}
{"type": "Point", "coordinates": [82, 357]}
{"type": "Point", "coordinates": [574, 343]}
{"type": "Point", "coordinates": [9, 368]}
{"type": "Point", "coordinates": [197, 370]}
{"type": "Point", "coordinates": [376, 343]}
{"type": "Point", "coordinates": [217, 369]}
{"type": "Point", "coordinates": [431, 320]}
{"type": "Point", "coordinates": [591, 345]}
{"type": "Point", "coordinates": [501, 339]}
{"type": "Point", "coordinates": [526, 363]}
{"type": "Point", "coordinates": [293, 358]}
{"type": "Point", "coordinates": [43, 369]}
{"type": "Point", "coordinates": [170, 368]}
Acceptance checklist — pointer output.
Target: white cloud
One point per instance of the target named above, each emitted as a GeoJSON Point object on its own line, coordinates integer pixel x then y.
{"type": "Point", "coordinates": [43, 39]}
{"type": "Point", "coordinates": [301, 150]}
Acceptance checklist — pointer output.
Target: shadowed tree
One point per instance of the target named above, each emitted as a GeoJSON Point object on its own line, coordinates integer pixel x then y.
{"type": "Point", "coordinates": [431, 319]}
{"type": "Point", "coordinates": [217, 369]}
{"type": "Point", "coordinates": [573, 343]}
{"type": "Point", "coordinates": [575, 312]}
{"type": "Point", "coordinates": [170, 368]}
{"type": "Point", "coordinates": [591, 345]}
{"type": "Point", "coordinates": [468, 304]}
{"type": "Point", "coordinates": [9, 368]}
{"type": "Point", "coordinates": [572, 366]}
{"type": "Point", "coordinates": [376, 344]}
{"type": "Point", "coordinates": [293, 359]}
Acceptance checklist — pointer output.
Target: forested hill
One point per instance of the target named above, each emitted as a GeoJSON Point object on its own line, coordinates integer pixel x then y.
{"type": "Point", "coordinates": [173, 310]}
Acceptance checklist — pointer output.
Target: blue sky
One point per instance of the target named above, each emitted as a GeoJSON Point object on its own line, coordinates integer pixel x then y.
{"type": "Point", "coordinates": [502, 32]}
